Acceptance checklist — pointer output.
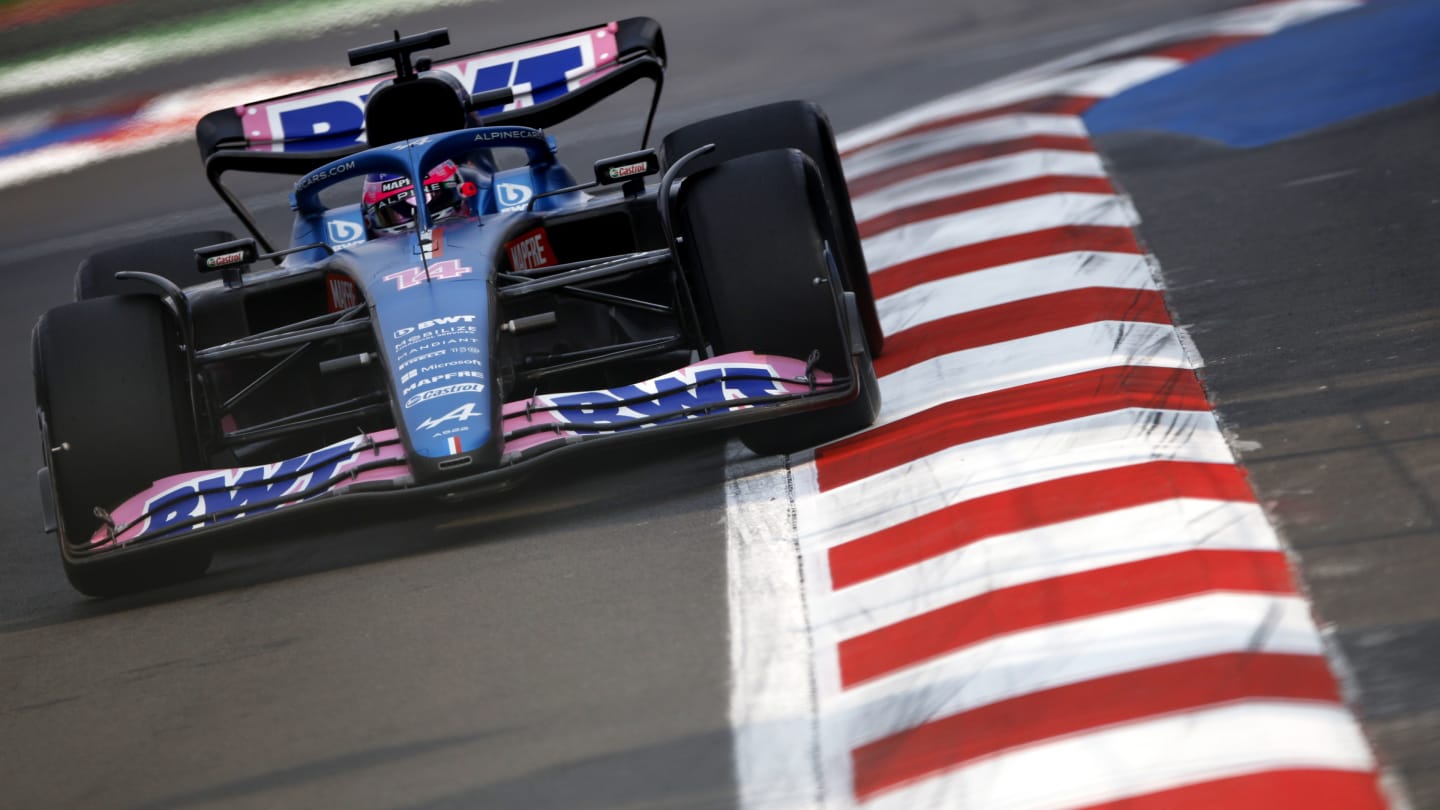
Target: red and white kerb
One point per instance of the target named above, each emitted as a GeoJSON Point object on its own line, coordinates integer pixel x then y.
{"type": "Point", "coordinates": [1040, 580]}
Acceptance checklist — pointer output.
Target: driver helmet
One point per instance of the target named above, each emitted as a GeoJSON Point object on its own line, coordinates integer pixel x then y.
{"type": "Point", "coordinates": [389, 199]}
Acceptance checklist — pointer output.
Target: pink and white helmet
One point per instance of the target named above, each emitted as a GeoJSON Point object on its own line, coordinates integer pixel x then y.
{"type": "Point", "coordinates": [389, 199]}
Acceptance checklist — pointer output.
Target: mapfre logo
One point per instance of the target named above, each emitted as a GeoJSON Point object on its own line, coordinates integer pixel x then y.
{"type": "Point", "coordinates": [340, 292]}
{"type": "Point", "coordinates": [530, 251]}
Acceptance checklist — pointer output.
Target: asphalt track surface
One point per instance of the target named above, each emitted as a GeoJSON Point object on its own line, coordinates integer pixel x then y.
{"type": "Point", "coordinates": [1306, 273]}
{"type": "Point", "coordinates": [564, 647]}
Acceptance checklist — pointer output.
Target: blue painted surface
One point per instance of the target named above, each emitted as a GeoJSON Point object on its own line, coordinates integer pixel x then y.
{"type": "Point", "coordinates": [1332, 70]}
{"type": "Point", "coordinates": [72, 131]}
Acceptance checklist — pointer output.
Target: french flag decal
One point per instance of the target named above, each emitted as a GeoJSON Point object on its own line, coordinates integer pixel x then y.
{"type": "Point", "coordinates": [454, 444]}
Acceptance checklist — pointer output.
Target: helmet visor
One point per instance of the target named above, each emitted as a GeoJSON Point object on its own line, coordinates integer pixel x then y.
{"type": "Point", "coordinates": [443, 198]}
{"type": "Point", "coordinates": [393, 212]}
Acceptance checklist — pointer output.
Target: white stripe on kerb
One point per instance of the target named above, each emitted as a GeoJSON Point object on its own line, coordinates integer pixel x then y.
{"type": "Point", "coordinates": [928, 237]}
{"type": "Point", "coordinates": [1091, 81]}
{"type": "Point", "coordinates": [1033, 555]}
{"type": "Point", "coordinates": [990, 130]}
{"type": "Point", "coordinates": [1009, 283]}
{"type": "Point", "coordinates": [1032, 359]}
{"type": "Point", "coordinates": [1147, 756]}
{"type": "Point", "coordinates": [977, 176]}
{"type": "Point", "coordinates": [1064, 653]}
{"type": "Point", "coordinates": [1001, 463]}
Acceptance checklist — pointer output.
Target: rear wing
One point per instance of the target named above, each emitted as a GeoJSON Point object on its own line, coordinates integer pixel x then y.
{"type": "Point", "coordinates": [553, 79]}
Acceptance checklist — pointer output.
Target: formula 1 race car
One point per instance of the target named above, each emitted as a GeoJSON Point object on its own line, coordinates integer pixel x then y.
{"type": "Point", "coordinates": [467, 312]}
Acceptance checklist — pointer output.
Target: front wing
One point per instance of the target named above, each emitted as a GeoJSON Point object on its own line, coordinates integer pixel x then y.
{"type": "Point", "coordinates": [710, 394]}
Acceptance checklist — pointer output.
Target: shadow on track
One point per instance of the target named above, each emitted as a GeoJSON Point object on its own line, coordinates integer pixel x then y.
{"type": "Point", "coordinates": [566, 496]}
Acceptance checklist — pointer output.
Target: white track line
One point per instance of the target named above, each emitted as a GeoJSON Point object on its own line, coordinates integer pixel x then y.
{"type": "Point", "coordinates": [776, 750]}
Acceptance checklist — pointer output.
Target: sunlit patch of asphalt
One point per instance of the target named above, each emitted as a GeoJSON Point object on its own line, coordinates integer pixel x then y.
{"type": "Point", "coordinates": [274, 21]}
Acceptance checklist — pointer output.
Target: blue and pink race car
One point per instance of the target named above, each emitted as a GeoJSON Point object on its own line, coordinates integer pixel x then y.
{"type": "Point", "coordinates": [452, 308]}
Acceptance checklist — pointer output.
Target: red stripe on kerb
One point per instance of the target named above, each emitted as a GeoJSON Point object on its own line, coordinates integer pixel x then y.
{"type": "Point", "coordinates": [959, 157]}
{"type": "Point", "coordinates": [995, 195]}
{"type": "Point", "coordinates": [1006, 250]}
{"type": "Point", "coordinates": [993, 414]}
{"type": "Point", "coordinates": [1031, 316]}
{"type": "Point", "coordinates": [1059, 599]}
{"type": "Point", "coordinates": [1057, 105]}
{"type": "Point", "coordinates": [1267, 790]}
{"type": "Point", "coordinates": [1070, 498]}
{"type": "Point", "coordinates": [1186, 686]}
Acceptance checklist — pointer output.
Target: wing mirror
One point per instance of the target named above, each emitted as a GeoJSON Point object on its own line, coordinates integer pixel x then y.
{"type": "Point", "coordinates": [631, 167]}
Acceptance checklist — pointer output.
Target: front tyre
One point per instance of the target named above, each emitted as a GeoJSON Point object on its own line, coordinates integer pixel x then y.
{"type": "Point", "coordinates": [798, 125]}
{"type": "Point", "coordinates": [757, 254]}
{"type": "Point", "coordinates": [110, 392]}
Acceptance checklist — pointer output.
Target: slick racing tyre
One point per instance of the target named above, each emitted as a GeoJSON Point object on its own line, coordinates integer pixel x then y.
{"type": "Point", "coordinates": [791, 125]}
{"type": "Point", "coordinates": [114, 418]}
{"type": "Point", "coordinates": [170, 256]}
{"type": "Point", "coordinates": [757, 256]}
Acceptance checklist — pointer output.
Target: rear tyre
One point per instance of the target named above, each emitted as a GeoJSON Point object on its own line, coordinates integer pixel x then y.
{"type": "Point", "coordinates": [756, 248]}
{"type": "Point", "coordinates": [798, 125]}
{"type": "Point", "coordinates": [170, 256]}
{"type": "Point", "coordinates": [108, 385]}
